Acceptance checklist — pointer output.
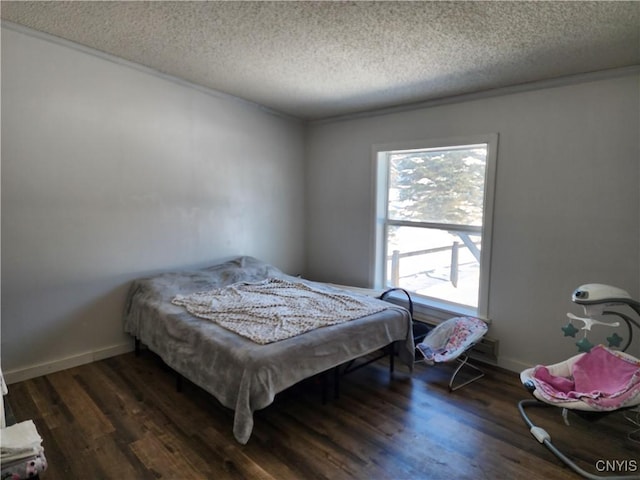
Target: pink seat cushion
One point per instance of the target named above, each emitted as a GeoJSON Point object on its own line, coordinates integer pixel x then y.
{"type": "Point", "coordinates": [602, 378]}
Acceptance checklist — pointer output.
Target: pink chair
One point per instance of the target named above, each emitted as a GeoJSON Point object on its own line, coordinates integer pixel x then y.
{"type": "Point", "coordinates": [450, 341]}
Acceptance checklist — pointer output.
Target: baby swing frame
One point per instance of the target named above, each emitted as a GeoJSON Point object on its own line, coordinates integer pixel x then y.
{"type": "Point", "coordinates": [589, 296]}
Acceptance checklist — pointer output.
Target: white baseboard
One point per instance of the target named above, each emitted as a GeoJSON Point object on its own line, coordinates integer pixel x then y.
{"type": "Point", "coordinates": [21, 374]}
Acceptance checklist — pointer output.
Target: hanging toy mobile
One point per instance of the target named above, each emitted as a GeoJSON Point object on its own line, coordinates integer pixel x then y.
{"type": "Point", "coordinates": [594, 298]}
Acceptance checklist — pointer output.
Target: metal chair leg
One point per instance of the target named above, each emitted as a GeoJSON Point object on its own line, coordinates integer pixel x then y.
{"type": "Point", "coordinates": [463, 359]}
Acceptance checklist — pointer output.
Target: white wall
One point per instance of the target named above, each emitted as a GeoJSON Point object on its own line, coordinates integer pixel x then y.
{"type": "Point", "coordinates": [109, 173]}
{"type": "Point", "coordinates": [566, 212]}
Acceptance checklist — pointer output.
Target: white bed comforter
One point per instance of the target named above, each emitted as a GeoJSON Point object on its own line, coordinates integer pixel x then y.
{"type": "Point", "coordinates": [274, 309]}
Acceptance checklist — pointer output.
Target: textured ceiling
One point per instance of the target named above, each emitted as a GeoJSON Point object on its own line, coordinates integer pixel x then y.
{"type": "Point", "coordinates": [320, 59]}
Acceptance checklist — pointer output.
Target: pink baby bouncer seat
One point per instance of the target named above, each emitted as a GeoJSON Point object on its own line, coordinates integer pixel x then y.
{"type": "Point", "coordinates": [450, 341]}
{"type": "Point", "coordinates": [601, 380]}
{"type": "Point", "coordinates": [598, 381]}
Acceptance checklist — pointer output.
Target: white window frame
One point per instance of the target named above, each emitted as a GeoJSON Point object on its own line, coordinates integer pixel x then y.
{"type": "Point", "coordinates": [428, 306]}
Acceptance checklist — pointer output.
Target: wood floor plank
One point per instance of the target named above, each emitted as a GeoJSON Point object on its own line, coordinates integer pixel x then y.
{"type": "Point", "coordinates": [114, 459]}
{"type": "Point", "coordinates": [414, 445]}
{"type": "Point", "coordinates": [323, 449]}
{"type": "Point", "coordinates": [234, 458]}
{"type": "Point", "coordinates": [78, 456]}
{"type": "Point", "coordinates": [122, 418]}
{"type": "Point", "coordinates": [50, 408]}
{"type": "Point", "coordinates": [155, 455]}
{"type": "Point", "coordinates": [91, 420]}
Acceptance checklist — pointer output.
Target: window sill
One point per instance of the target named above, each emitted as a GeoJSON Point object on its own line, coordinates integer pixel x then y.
{"type": "Point", "coordinates": [432, 311]}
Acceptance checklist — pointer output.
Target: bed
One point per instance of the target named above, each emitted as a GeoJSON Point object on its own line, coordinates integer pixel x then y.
{"type": "Point", "coordinates": [241, 374]}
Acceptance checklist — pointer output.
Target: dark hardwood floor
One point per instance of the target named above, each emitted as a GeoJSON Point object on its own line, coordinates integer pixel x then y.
{"type": "Point", "coordinates": [122, 418]}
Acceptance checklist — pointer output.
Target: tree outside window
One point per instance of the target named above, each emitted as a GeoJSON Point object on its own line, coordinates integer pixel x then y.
{"type": "Point", "coordinates": [434, 218]}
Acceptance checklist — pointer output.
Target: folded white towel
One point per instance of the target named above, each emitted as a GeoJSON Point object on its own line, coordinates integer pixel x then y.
{"type": "Point", "coordinates": [19, 441]}
{"type": "Point", "coordinates": [3, 385]}
{"type": "Point", "coordinates": [4, 391]}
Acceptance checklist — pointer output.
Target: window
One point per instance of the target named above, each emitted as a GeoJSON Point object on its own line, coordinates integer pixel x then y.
{"type": "Point", "coordinates": [434, 203]}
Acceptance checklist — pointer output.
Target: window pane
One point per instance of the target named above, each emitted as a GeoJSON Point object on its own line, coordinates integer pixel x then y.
{"type": "Point", "coordinates": [443, 185]}
{"type": "Point", "coordinates": [434, 263]}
